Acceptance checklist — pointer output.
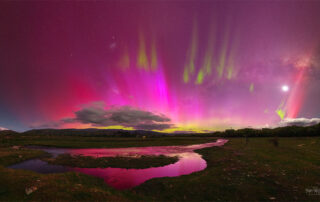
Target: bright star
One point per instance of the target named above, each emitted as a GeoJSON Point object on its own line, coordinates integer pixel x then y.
{"type": "Point", "coordinates": [285, 88]}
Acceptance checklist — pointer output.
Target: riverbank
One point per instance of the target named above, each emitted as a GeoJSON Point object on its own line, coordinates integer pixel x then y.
{"type": "Point", "coordinates": [16, 154]}
{"type": "Point", "coordinates": [114, 162]}
{"type": "Point", "coordinates": [255, 169]}
{"type": "Point", "coordinates": [252, 169]}
{"type": "Point", "coordinates": [99, 142]}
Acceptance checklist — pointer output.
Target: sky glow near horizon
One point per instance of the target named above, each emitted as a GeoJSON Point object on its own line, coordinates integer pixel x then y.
{"type": "Point", "coordinates": [203, 65]}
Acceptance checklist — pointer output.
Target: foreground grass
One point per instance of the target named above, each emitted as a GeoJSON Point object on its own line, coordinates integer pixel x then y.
{"type": "Point", "coordinates": [253, 170]}
{"type": "Point", "coordinates": [9, 155]}
{"type": "Point", "coordinates": [100, 142]}
{"type": "Point", "coordinates": [56, 187]}
{"type": "Point", "coordinates": [116, 162]}
{"type": "Point", "coordinates": [256, 171]}
{"type": "Point", "coordinates": [52, 187]}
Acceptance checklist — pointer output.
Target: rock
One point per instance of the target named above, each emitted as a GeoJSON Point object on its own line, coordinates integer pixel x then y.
{"type": "Point", "coordinates": [16, 147]}
{"type": "Point", "coordinates": [272, 198]}
{"type": "Point", "coordinates": [30, 190]}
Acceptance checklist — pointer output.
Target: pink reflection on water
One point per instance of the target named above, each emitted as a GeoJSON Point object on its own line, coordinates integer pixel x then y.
{"type": "Point", "coordinates": [134, 151]}
{"type": "Point", "coordinates": [120, 178]}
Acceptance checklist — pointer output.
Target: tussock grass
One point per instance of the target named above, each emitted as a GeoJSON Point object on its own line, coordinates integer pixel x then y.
{"type": "Point", "coordinates": [116, 162]}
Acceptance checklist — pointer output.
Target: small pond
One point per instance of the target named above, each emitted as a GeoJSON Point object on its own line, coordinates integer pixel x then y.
{"type": "Point", "coordinates": [121, 178]}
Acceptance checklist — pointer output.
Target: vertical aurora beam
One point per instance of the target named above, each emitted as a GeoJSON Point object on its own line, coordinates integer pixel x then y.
{"type": "Point", "coordinates": [154, 59]}
{"type": "Point", "coordinates": [200, 77]}
{"type": "Point", "coordinates": [142, 60]}
{"type": "Point", "coordinates": [280, 111]}
{"type": "Point", "coordinates": [231, 73]}
{"type": "Point", "coordinates": [296, 97]}
{"type": "Point", "coordinates": [207, 61]}
{"type": "Point", "coordinates": [297, 94]}
{"type": "Point", "coordinates": [230, 66]}
{"type": "Point", "coordinates": [189, 67]}
{"type": "Point", "coordinates": [124, 61]}
{"type": "Point", "coordinates": [223, 54]}
{"type": "Point", "coordinates": [294, 102]}
{"type": "Point", "coordinates": [251, 88]}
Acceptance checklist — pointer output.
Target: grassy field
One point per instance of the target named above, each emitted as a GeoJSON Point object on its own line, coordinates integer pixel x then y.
{"type": "Point", "coordinates": [9, 155]}
{"type": "Point", "coordinates": [100, 142]}
{"type": "Point", "coordinates": [256, 169]}
{"type": "Point", "coordinates": [114, 162]}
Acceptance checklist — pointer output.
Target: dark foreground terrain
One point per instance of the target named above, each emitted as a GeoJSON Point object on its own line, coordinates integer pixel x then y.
{"type": "Point", "coordinates": [113, 162]}
{"type": "Point", "coordinates": [244, 169]}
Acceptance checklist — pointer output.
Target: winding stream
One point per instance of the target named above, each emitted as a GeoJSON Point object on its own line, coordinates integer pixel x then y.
{"type": "Point", "coordinates": [121, 178]}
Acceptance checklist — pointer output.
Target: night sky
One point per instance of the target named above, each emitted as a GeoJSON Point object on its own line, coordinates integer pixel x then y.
{"type": "Point", "coordinates": [159, 65]}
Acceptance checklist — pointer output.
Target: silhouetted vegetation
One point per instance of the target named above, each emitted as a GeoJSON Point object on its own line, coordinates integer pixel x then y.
{"type": "Point", "coordinates": [116, 162]}
{"type": "Point", "coordinates": [94, 132]}
{"type": "Point", "coordinates": [288, 131]}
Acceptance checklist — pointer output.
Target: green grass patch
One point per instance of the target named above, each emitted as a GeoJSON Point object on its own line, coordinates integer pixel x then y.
{"type": "Point", "coordinates": [9, 155]}
{"type": "Point", "coordinates": [116, 162]}
{"type": "Point", "coordinates": [101, 142]}
{"type": "Point", "coordinates": [253, 171]}
{"type": "Point", "coordinates": [56, 187]}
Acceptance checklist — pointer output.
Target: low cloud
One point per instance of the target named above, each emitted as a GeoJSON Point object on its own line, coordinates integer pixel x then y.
{"type": "Point", "coordinates": [1, 128]}
{"type": "Point", "coordinates": [299, 122]}
{"type": "Point", "coordinates": [96, 115]}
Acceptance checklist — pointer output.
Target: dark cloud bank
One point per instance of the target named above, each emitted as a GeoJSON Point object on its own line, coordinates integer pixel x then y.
{"type": "Point", "coordinates": [96, 115]}
{"type": "Point", "coordinates": [299, 122]}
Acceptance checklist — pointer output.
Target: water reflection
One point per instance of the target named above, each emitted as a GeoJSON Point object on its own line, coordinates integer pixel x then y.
{"type": "Point", "coordinates": [126, 178]}
{"type": "Point", "coordinates": [121, 178]}
{"type": "Point", "coordinates": [40, 166]}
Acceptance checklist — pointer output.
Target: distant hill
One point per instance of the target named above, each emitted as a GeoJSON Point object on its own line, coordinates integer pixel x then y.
{"type": "Point", "coordinates": [94, 132]}
{"type": "Point", "coordinates": [288, 131]}
{"type": "Point", "coordinates": [8, 132]}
